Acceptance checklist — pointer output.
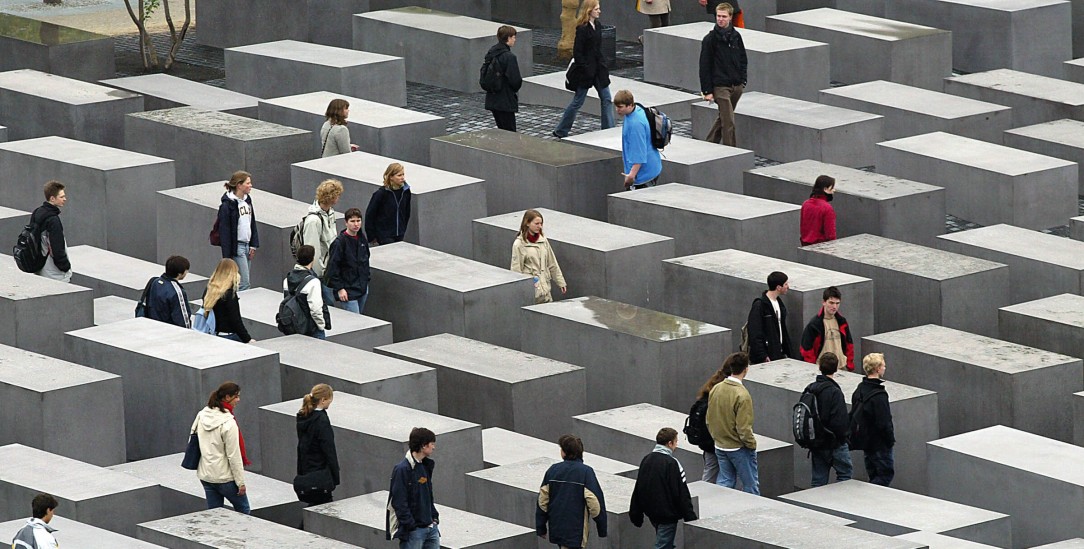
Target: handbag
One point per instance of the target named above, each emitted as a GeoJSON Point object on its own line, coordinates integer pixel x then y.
{"type": "Point", "coordinates": [191, 453]}
{"type": "Point", "coordinates": [313, 483]}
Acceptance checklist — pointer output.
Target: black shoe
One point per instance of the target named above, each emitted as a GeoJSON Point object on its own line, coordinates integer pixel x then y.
{"type": "Point", "coordinates": [554, 134]}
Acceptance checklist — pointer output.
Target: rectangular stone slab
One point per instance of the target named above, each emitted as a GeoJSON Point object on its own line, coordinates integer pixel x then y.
{"type": "Point", "coordinates": [984, 182]}
{"type": "Point", "coordinates": [113, 189]}
{"type": "Point", "coordinates": [865, 202]}
{"type": "Point", "coordinates": [1074, 70]}
{"type": "Point", "coordinates": [1062, 139]}
{"type": "Point", "coordinates": [13, 220]}
{"type": "Point", "coordinates": [77, 534]}
{"type": "Point", "coordinates": [716, 501]}
{"type": "Point", "coordinates": [374, 433]}
{"type": "Point", "coordinates": [780, 528]}
{"type": "Point", "coordinates": [703, 220]}
{"type": "Point", "coordinates": [55, 49]}
{"type": "Point", "coordinates": [52, 303]}
{"type": "Point", "coordinates": [596, 258]}
{"type": "Point", "coordinates": [516, 387]}
{"type": "Point", "coordinates": [549, 90]}
{"type": "Point", "coordinates": [502, 447]}
{"type": "Point", "coordinates": [109, 273]}
{"type": "Point", "coordinates": [307, 361]}
{"type": "Point", "coordinates": [1008, 383]}
{"type": "Point", "coordinates": [164, 91]}
{"type": "Point", "coordinates": [113, 309]}
{"type": "Point", "coordinates": [225, 529]}
{"type": "Point", "coordinates": [691, 161]}
{"type": "Point", "coordinates": [941, 541]}
{"type": "Point", "coordinates": [1075, 543]}
{"type": "Point", "coordinates": [918, 285]}
{"type": "Point", "coordinates": [1053, 323]}
{"type": "Point", "coordinates": [1034, 99]}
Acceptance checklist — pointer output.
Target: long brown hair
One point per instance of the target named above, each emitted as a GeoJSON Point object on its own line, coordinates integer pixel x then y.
{"type": "Point", "coordinates": [219, 395]}
{"type": "Point", "coordinates": [714, 380]}
{"type": "Point", "coordinates": [528, 216]}
{"type": "Point", "coordinates": [335, 110]}
{"type": "Point", "coordinates": [585, 12]}
{"type": "Point", "coordinates": [318, 393]}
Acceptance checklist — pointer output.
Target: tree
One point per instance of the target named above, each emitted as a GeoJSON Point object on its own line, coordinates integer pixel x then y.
{"type": "Point", "coordinates": [140, 15]}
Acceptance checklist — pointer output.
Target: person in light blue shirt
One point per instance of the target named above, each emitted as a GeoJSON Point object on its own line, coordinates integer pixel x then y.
{"type": "Point", "coordinates": [642, 161]}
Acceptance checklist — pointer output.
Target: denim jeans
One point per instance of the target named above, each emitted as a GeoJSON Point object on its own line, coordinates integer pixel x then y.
{"type": "Point", "coordinates": [227, 490]}
{"type": "Point", "coordinates": [664, 535]}
{"type": "Point", "coordinates": [711, 467]}
{"type": "Point", "coordinates": [422, 538]}
{"type": "Point", "coordinates": [242, 265]}
{"type": "Point", "coordinates": [319, 334]}
{"type": "Point", "coordinates": [881, 467]}
{"type": "Point", "coordinates": [739, 464]}
{"type": "Point", "coordinates": [354, 305]}
{"type": "Point", "coordinates": [328, 294]}
{"type": "Point", "coordinates": [827, 458]}
{"type": "Point", "coordinates": [569, 117]}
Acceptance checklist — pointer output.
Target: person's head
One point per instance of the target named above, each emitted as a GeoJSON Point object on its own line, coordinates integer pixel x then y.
{"type": "Point", "coordinates": [506, 34]}
{"type": "Point", "coordinates": [353, 221]}
{"type": "Point", "coordinates": [240, 183]}
{"type": "Point", "coordinates": [824, 185]}
{"type": "Point", "coordinates": [337, 111]}
{"type": "Point", "coordinates": [777, 282]}
{"type": "Point", "coordinates": [712, 381]}
{"type": "Point", "coordinates": [320, 396]}
{"type": "Point", "coordinates": [736, 364]}
{"type": "Point", "coordinates": [874, 365]}
{"type": "Point", "coordinates": [305, 255]}
{"type": "Point", "coordinates": [624, 102]}
{"type": "Point", "coordinates": [832, 298]}
{"type": "Point", "coordinates": [54, 193]}
{"type": "Point", "coordinates": [422, 441]}
{"type": "Point", "coordinates": [828, 363]}
{"type": "Point", "coordinates": [531, 224]}
{"type": "Point", "coordinates": [227, 393]}
{"type": "Point", "coordinates": [226, 277]}
{"type": "Point", "coordinates": [571, 446]}
{"type": "Point", "coordinates": [589, 11]}
{"type": "Point", "coordinates": [667, 437]}
{"type": "Point", "coordinates": [328, 193]}
{"type": "Point", "coordinates": [177, 266]}
{"type": "Point", "coordinates": [42, 507]}
{"type": "Point", "coordinates": [394, 176]}
{"type": "Point", "coordinates": [723, 13]}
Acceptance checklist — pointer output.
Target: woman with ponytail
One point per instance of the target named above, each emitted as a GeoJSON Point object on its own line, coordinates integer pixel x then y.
{"type": "Point", "coordinates": [317, 461]}
{"type": "Point", "coordinates": [222, 459]}
{"type": "Point", "coordinates": [711, 464]}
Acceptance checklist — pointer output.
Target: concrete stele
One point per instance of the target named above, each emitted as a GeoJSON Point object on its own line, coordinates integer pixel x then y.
{"type": "Point", "coordinates": [165, 91]}
{"type": "Point", "coordinates": [225, 529]}
{"type": "Point", "coordinates": [783, 528]}
{"type": "Point", "coordinates": [1062, 139]}
{"type": "Point", "coordinates": [73, 533]}
{"type": "Point", "coordinates": [1054, 323]}
{"type": "Point", "coordinates": [549, 90]}
{"type": "Point", "coordinates": [52, 303]}
{"type": "Point", "coordinates": [113, 274]}
{"type": "Point", "coordinates": [1034, 99]}
{"type": "Point", "coordinates": [113, 309]}
{"type": "Point", "coordinates": [717, 500]}
{"type": "Point", "coordinates": [502, 447]}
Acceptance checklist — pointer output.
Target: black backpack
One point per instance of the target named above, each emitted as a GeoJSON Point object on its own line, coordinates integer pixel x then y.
{"type": "Point", "coordinates": [27, 249]}
{"type": "Point", "coordinates": [696, 425]}
{"type": "Point", "coordinates": [661, 128]}
{"type": "Point", "coordinates": [293, 316]}
{"type": "Point", "coordinates": [141, 305]}
{"type": "Point", "coordinates": [809, 431]}
{"type": "Point", "coordinates": [857, 437]}
{"type": "Point", "coordinates": [490, 77]}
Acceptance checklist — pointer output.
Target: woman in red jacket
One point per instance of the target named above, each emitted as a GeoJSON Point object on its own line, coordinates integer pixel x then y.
{"type": "Point", "coordinates": [818, 217]}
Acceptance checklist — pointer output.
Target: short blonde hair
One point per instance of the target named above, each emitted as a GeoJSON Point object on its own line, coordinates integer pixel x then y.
{"type": "Point", "coordinates": [871, 362]}
{"type": "Point", "coordinates": [328, 192]}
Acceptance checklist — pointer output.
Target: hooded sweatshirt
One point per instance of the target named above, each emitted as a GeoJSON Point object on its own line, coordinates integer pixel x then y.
{"type": "Point", "coordinates": [319, 232]}
{"type": "Point", "coordinates": [219, 447]}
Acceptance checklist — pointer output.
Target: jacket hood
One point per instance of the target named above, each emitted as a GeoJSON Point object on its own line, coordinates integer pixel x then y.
{"type": "Point", "coordinates": [213, 418]}
{"type": "Point", "coordinates": [497, 49]}
{"type": "Point", "coordinates": [315, 208]}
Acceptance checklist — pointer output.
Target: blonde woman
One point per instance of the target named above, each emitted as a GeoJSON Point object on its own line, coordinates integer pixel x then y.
{"type": "Point", "coordinates": [587, 71]}
{"type": "Point", "coordinates": [388, 214]}
{"type": "Point", "coordinates": [532, 255]}
{"type": "Point", "coordinates": [319, 230]}
{"type": "Point", "coordinates": [317, 459]}
{"type": "Point", "coordinates": [334, 135]}
{"type": "Point", "coordinates": [221, 297]}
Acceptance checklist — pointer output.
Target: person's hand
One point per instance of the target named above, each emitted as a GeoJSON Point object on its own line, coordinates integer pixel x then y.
{"type": "Point", "coordinates": [564, 289]}
{"type": "Point", "coordinates": [242, 490]}
{"type": "Point", "coordinates": [252, 340]}
{"type": "Point", "coordinates": [342, 295]}
{"type": "Point", "coordinates": [703, 2]}
{"type": "Point", "coordinates": [629, 180]}
{"type": "Point", "coordinates": [251, 253]}
{"type": "Point", "coordinates": [709, 97]}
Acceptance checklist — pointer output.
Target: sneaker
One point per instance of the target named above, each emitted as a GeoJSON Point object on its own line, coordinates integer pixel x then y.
{"type": "Point", "coordinates": [554, 134]}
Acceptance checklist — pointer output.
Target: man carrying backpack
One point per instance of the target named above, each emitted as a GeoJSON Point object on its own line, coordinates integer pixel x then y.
{"type": "Point", "coordinates": [871, 422]}
{"type": "Point", "coordinates": [302, 281]}
{"type": "Point", "coordinates": [501, 80]}
{"type": "Point", "coordinates": [53, 245]}
{"type": "Point", "coordinates": [642, 161]}
{"type": "Point", "coordinates": [833, 452]}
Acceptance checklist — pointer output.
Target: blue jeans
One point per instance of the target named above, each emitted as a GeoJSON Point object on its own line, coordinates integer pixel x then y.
{"type": "Point", "coordinates": [664, 535]}
{"type": "Point", "coordinates": [825, 459]}
{"type": "Point", "coordinates": [319, 334]}
{"type": "Point", "coordinates": [881, 467]}
{"type": "Point", "coordinates": [569, 117]}
{"type": "Point", "coordinates": [328, 294]}
{"type": "Point", "coordinates": [354, 305]}
{"type": "Point", "coordinates": [422, 538]}
{"type": "Point", "coordinates": [227, 490]}
{"type": "Point", "coordinates": [242, 265]}
{"type": "Point", "coordinates": [738, 464]}
{"type": "Point", "coordinates": [711, 467]}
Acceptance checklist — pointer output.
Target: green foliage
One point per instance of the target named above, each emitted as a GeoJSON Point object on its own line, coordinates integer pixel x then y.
{"type": "Point", "coordinates": [149, 6]}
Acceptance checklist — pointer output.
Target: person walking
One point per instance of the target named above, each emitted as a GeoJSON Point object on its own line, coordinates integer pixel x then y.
{"type": "Point", "coordinates": [818, 219]}
{"type": "Point", "coordinates": [412, 515]}
{"type": "Point", "coordinates": [532, 255]}
{"type": "Point", "coordinates": [730, 420]}
{"type": "Point", "coordinates": [504, 102]}
{"type": "Point", "coordinates": [570, 496]}
{"type": "Point", "coordinates": [318, 229]}
{"type": "Point", "coordinates": [166, 300]}
{"type": "Point", "coordinates": [657, 12]}
{"type": "Point", "coordinates": [871, 422]}
{"type": "Point", "coordinates": [37, 534]}
{"type": "Point", "coordinates": [302, 279]}
{"type": "Point", "coordinates": [334, 134]}
{"type": "Point", "coordinates": [641, 159]}
{"type": "Point", "coordinates": [316, 455]}
{"type": "Point", "coordinates": [700, 407]}
{"type": "Point", "coordinates": [588, 70]}
{"type": "Point", "coordinates": [222, 458]}
{"type": "Point", "coordinates": [766, 325]}
{"type": "Point", "coordinates": [661, 491]}
{"type": "Point", "coordinates": [53, 244]}
{"type": "Point", "coordinates": [833, 452]}
{"type": "Point", "coordinates": [237, 232]}
{"type": "Point", "coordinates": [388, 213]}
{"type": "Point", "coordinates": [221, 297]}
{"type": "Point", "coordinates": [348, 267]}
{"type": "Point", "coordinates": [723, 73]}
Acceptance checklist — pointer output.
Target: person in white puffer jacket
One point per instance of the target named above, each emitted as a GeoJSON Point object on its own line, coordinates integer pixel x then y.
{"type": "Point", "coordinates": [221, 463]}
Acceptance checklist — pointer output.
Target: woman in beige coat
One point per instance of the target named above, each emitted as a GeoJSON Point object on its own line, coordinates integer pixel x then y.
{"type": "Point", "coordinates": [657, 11]}
{"type": "Point", "coordinates": [532, 255]}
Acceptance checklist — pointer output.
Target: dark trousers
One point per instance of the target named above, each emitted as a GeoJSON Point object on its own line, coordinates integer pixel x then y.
{"type": "Point", "coordinates": [722, 131]}
{"type": "Point", "coordinates": [880, 466]}
{"type": "Point", "coordinates": [660, 20]}
{"type": "Point", "coordinates": [505, 120]}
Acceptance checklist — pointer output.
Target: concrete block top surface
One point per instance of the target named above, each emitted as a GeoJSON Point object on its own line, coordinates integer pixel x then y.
{"type": "Point", "coordinates": [77, 534]}
{"type": "Point", "coordinates": [903, 257]}
{"type": "Point", "coordinates": [167, 471]}
{"type": "Point", "coordinates": [119, 269]}
{"type": "Point", "coordinates": [224, 528]}
{"type": "Point", "coordinates": [941, 541]}
{"type": "Point", "coordinates": [377, 418]}
{"type": "Point", "coordinates": [644, 420]}
{"type": "Point", "coordinates": [849, 181]}
{"type": "Point", "coordinates": [501, 447]}
{"type": "Point", "coordinates": [1075, 543]}
{"type": "Point", "coordinates": [337, 361]}
{"type": "Point", "coordinates": [976, 350]}
{"type": "Point", "coordinates": [476, 357]}
{"type": "Point", "coordinates": [1025, 83]}
{"type": "Point", "coordinates": [716, 500]}
{"type": "Point", "coordinates": [1021, 450]}
{"type": "Point", "coordinates": [439, 268]}
{"type": "Point", "coordinates": [626, 319]}
{"type": "Point", "coordinates": [184, 91]}
{"type": "Point", "coordinates": [40, 373]}
{"type": "Point", "coordinates": [217, 123]}
{"type": "Point", "coordinates": [44, 33]}
{"type": "Point", "coordinates": [169, 343]}
{"type": "Point", "coordinates": [1066, 309]}
{"type": "Point", "coordinates": [61, 476]}
{"type": "Point", "coordinates": [794, 375]}
{"type": "Point", "coordinates": [271, 209]}
{"type": "Point", "coordinates": [368, 167]}
{"type": "Point", "coordinates": [756, 41]}
{"type": "Point", "coordinates": [1065, 131]}
{"type": "Point", "coordinates": [437, 21]}
{"type": "Point", "coordinates": [878, 28]}
{"type": "Point", "coordinates": [910, 98]}
{"type": "Point", "coordinates": [526, 147]}
{"type": "Point", "coordinates": [756, 268]}
{"type": "Point", "coordinates": [1006, 5]}
{"type": "Point", "coordinates": [645, 94]}
{"type": "Point", "coordinates": [797, 112]}
{"type": "Point", "coordinates": [527, 475]}
{"type": "Point", "coordinates": [709, 201]}
{"type": "Point", "coordinates": [80, 153]}
{"type": "Point", "coordinates": [263, 304]}
{"type": "Point", "coordinates": [681, 149]}
{"type": "Point", "coordinates": [366, 113]}
{"type": "Point", "coordinates": [1018, 241]}
{"type": "Point", "coordinates": [779, 527]}
{"type": "Point", "coordinates": [59, 88]}
{"type": "Point", "coordinates": [884, 504]}
{"type": "Point", "coordinates": [17, 285]}
{"type": "Point", "coordinates": [977, 154]}
{"type": "Point", "coordinates": [113, 308]}
{"type": "Point", "coordinates": [316, 54]}
{"type": "Point", "coordinates": [580, 231]}
{"type": "Point", "coordinates": [7, 213]}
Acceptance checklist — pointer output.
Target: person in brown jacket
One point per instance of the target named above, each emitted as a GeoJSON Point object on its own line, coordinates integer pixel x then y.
{"type": "Point", "coordinates": [532, 255]}
{"type": "Point", "coordinates": [730, 422]}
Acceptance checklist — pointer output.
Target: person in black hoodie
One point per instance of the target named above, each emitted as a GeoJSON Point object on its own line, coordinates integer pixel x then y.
{"type": "Point", "coordinates": [832, 411]}
{"type": "Point", "coordinates": [767, 323]}
{"type": "Point", "coordinates": [661, 492]}
{"type": "Point", "coordinates": [316, 442]}
{"type": "Point", "coordinates": [47, 217]}
{"type": "Point", "coordinates": [348, 265]}
{"type": "Point", "coordinates": [723, 73]}
{"type": "Point", "coordinates": [504, 103]}
{"type": "Point", "coordinates": [221, 298]}
{"type": "Point", "coordinates": [871, 422]}
{"type": "Point", "coordinates": [388, 213]}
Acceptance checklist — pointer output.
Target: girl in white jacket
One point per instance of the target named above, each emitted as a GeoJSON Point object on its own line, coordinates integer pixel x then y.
{"type": "Point", "coordinates": [532, 255]}
{"type": "Point", "coordinates": [221, 464]}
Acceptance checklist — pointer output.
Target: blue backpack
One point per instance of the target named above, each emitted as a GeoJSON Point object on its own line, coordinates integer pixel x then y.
{"type": "Point", "coordinates": [204, 321]}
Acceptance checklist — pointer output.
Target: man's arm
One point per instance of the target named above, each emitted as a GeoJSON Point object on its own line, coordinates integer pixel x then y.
{"type": "Point", "coordinates": [399, 501]}
{"type": "Point", "coordinates": [758, 343]}
{"type": "Point", "coordinates": [511, 72]}
{"type": "Point", "coordinates": [811, 342]}
{"type": "Point", "coordinates": [744, 422]}
{"type": "Point", "coordinates": [596, 503]}
{"type": "Point", "coordinates": [706, 87]}
{"type": "Point", "coordinates": [57, 246]}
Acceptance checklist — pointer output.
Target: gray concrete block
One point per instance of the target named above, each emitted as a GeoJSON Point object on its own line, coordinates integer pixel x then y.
{"type": "Point", "coordinates": [13, 220]}
{"type": "Point", "coordinates": [423, 292]}
{"type": "Point", "coordinates": [719, 287]}
{"type": "Point", "coordinates": [1008, 384]}
{"type": "Point", "coordinates": [442, 203]}
{"type": "Point", "coordinates": [164, 91]}
{"type": "Point", "coordinates": [113, 274]}
{"type": "Point", "coordinates": [376, 128]}
{"type": "Point", "coordinates": [224, 529]}
{"type": "Point", "coordinates": [524, 172]}
{"type": "Point", "coordinates": [1028, 469]}
{"type": "Point", "coordinates": [113, 309]}
{"type": "Point", "coordinates": [984, 182]}
{"type": "Point", "coordinates": [1062, 139]}
{"type": "Point", "coordinates": [691, 161]}
{"type": "Point", "coordinates": [717, 501]}
{"type": "Point", "coordinates": [375, 433]}
{"type": "Point", "coordinates": [1040, 264]}
{"type": "Point", "coordinates": [56, 49]}
{"type": "Point", "coordinates": [941, 541]}
{"type": "Point", "coordinates": [61, 407]}
{"type": "Point", "coordinates": [60, 306]}
{"type": "Point", "coordinates": [362, 520]}
{"type": "Point", "coordinates": [1075, 543]}
{"type": "Point", "coordinates": [865, 202]}
{"type": "Point", "coordinates": [655, 357]}
{"type": "Point", "coordinates": [147, 353]}
{"type": "Point", "coordinates": [518, 387]}
{"type": "Point", "coordinates": [87, 493]}
{"type": "Point", "coordinates": [211, 145]}
{"type": "Point", "coordinates": [1034, 99]}
{"type": "Point", "coordinates": [779, 528]}
{"type": "Point", "coordinates": [1078, 416]}
{"type": "Point", "coordinates": [597, 258]}
{"type": "Point", "coordinates": [3, 134]}
{"type": "Point", "coordinates": [867, 48]}
{"type": "Point", "coordinates": [912, 110]}
{"type": "Point", "coordinates": [113, 190]}
{"type": "Point", "coordinates": [778, 64]}
{"type": "Point", "coordinates": [502, 447]}
{"type": "Point", "coordinates": [306, 361]}
{"type": "Point", "coordinates": [36, 104]}
{"type": "Point", "coordinates": [918, 285]}
{"type": "Point", "coordinates": [777, 385]}
{"type": "Point", "coordinates": [549, 90]}
{"type": "Point", "coordinates": [1054, 323]}
{"type": "Point", "coordinates": [702, 220]}
{"type": "Point", "coordinates": [1074, 70]}
{"type": "Point", "coordinates": [77, 534]}
{"type": "Point", "coordinates": [289, 67]}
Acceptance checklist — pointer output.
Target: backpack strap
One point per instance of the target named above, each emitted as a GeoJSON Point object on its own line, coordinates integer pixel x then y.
{"type": "Point", "coordinates": [146, 291]}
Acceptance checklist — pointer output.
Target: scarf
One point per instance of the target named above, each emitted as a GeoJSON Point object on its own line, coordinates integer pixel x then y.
{"type": "Point", "coordinates": [240, 439]}
{"type": "Point", "coordinates": [532, 238]}
{"type": "Point", "coordinates": [659, 448]}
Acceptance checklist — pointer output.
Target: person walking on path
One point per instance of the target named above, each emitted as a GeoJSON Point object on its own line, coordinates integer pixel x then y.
{"type": "Point", "coordinates": [723, 73]}
{"type": "Point", "coordinates": [221, 297]}
{"type": "Point", "coordinates": [316, 442]}
{"type": "Point", "coordinates": [588, 70]}
{"type": "Point", "coordinates": [53, 244]}
{"type": "Point", "coordinates": [818, 219]}
{"type": "Point", "coordinates": [871, 421]}
{"type": "Point", "coordinates": [222, 459]}
{"type": "Point", "coordinates": [642, 161]}
{"type": "Point", "coordinates": [730, 420]}
{"type": "Point", "coordinates": [237, 232]}
{"type": "Point", "coordinates": [388, 213]}
{"type": "Point", "coordinates": [412, 515]}
{"type": "Point", "coordinates": [532, 255]}
{"type": "Point", "coordinates": [661, 491]}
{"type": "Point", "coordinates": [834, 453]}
{"type": "Point", "coordinates": [504, 103]}
{"type": "Point", "coordinates": [334, 134]}
{"type": "Point", "coordinates": [348, 268]}
{"type": "Point", "coordinates": [570, 496]}
{"type": "Point", "coordinates": [37, 534]}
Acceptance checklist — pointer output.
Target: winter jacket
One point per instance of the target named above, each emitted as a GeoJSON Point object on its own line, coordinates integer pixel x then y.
{"type": "Point", "coordinates": [813, 339]}
{"type": "Point", "coordinates": [334, 139]}
{"type": "Point", "coordinates": [660, 491]}
{"type": "Point", "coordinates": [314, 297]}
{"type": "Point", "coordinates": [832, 409]}
{"type": "Point", "coordinates": [589, 68]}
{"type": "Point", "coordinates": [507, 99]}
{"type": "Point", "coordinates": [570, 494]}
{"type": "Point", "coordinates": [730, 416]}
{"type": "Point", "coordinates": [228, 316]}
{"type": "Point", "coordinates": [219, 447]}
{"type": "Point", "coordinates": [228, 215]}
{"type": "Point", "coordinates": [35, 535]}
{"type": "Point", "coordinates": [348, 265]}
{"type": "Point", "coordinates": [47, 217]}
{"type": "Point", "coordinates": [167, 301]}
{"type": "Point", "coordinates": [410, 498]}
{"type": "Point", "coordinates": [763, 329]}
{"type": "Point", "coordinates": [818, 221]}
{"type": "Point", "coordinates": [723, 61]}
{"type": "Point", "coordinates": [656, 7]}
{"type": "Point", "coordinates": [388, 214]}
{"type": "Point", "coordinates": [536, 259]}
{"type": "Point", "coordinates": [319, 231]}
{"type": "Point", "coordinates": [316, 444]}
{"type": "Point", "coordinates": [876, 418]}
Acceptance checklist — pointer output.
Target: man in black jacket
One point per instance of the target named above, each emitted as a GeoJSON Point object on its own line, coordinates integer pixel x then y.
{"type": "Point", "coordinates": [167, 301]}
{"type": "Point", "coordinates": [53, 245]}
{"type": "Point", "coordinates": [661, 492]}
{"type": "Point", "coordinates": [348, 265]}
{"type": "Point", "coordinates": [832, 412]}
{"type": "Point", "coordinates": [872, 430]}
{"type": "Point", "coordinates": [723, 73]}
{"type": "Point", "coordinates": [504, 103]}
{"type": "Point", "coordinates": [767, 323]}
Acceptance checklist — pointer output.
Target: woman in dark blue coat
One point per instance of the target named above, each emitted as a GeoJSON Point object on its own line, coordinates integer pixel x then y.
{"type": "Point", "coordinates": [388, 213]}
{"type": "Point", "coordinates": [588, 70]}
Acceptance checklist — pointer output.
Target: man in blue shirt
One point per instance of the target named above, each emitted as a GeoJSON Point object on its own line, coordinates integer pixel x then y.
{"type": "Point", "coordinates": [642, 161]}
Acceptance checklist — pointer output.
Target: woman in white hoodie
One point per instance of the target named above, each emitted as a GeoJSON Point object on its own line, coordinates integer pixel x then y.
{"type": "Point", "coordinates": [221, 462]}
